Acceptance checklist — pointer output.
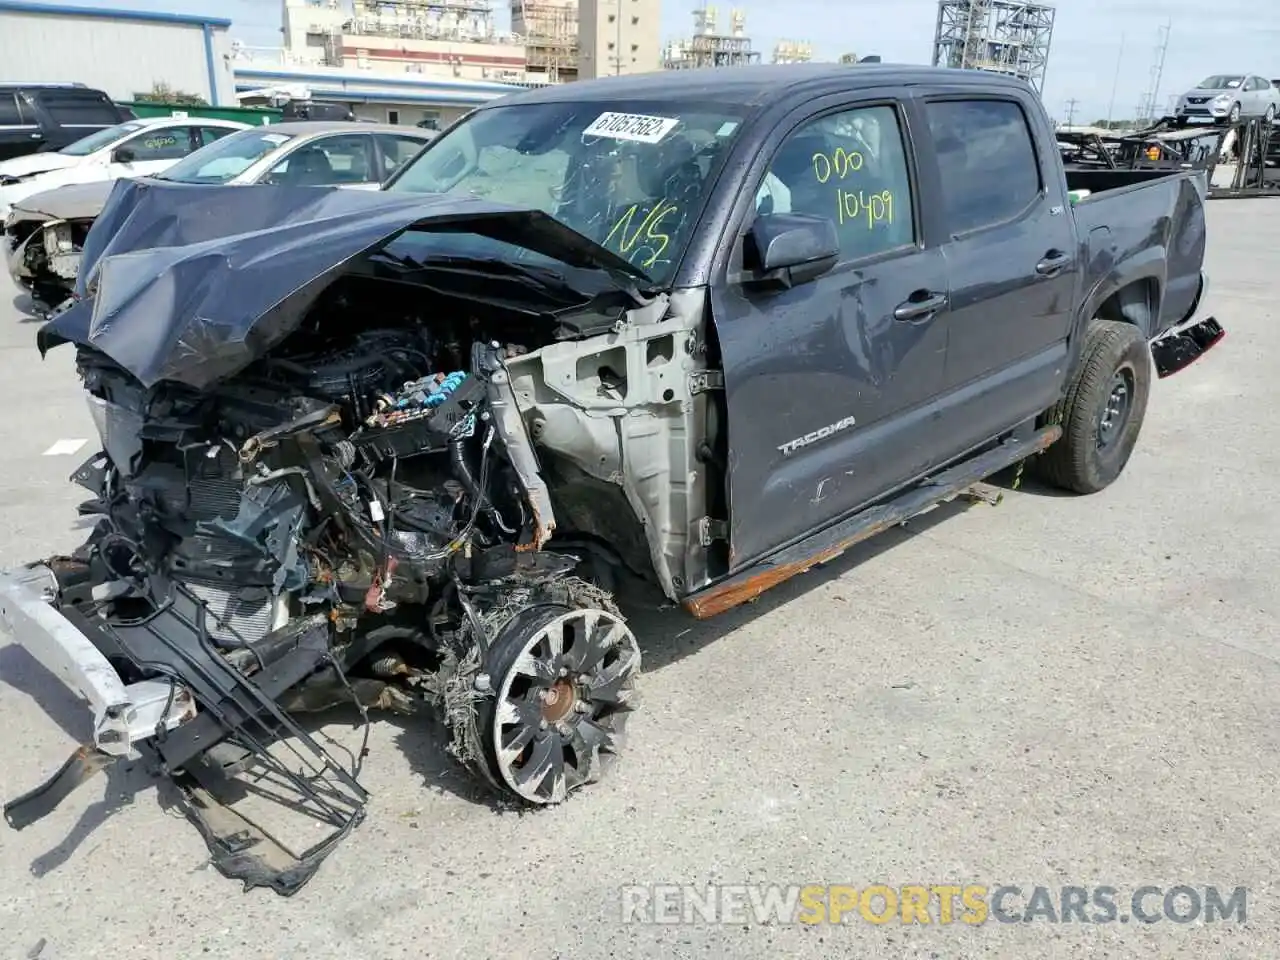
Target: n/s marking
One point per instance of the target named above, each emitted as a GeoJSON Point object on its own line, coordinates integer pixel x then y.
{"type": "Point", "coordinates": [64, 448]}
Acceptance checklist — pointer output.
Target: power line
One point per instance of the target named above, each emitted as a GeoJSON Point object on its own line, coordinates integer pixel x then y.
{"type": "Point", "coordinates": [1071, 111]}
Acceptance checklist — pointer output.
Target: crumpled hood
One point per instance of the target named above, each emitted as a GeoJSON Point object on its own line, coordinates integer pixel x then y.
{"type": "Point", "coordinates": [193, 283]}
{"type": "Point", "coordinates": [34, 163]}
{"type": "Point", "coordinates": [77, 201]}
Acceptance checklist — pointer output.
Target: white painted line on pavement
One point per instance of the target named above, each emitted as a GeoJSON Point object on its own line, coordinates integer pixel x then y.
{"type": "Point", "coordinates": [64, 448]}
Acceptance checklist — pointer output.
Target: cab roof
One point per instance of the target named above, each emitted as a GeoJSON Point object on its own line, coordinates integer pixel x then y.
{"type": "Point", "coordinates": [756, 85]}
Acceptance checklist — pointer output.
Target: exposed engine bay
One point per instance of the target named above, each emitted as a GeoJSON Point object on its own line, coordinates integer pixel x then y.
{"type": "Point", "coordinates": [351, 458]}
{"type": "Point", "coordinates": [357, 517]}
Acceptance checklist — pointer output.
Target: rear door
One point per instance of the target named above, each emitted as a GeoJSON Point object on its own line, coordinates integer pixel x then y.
{"type": "Point", "coordinates": [1011, 260]}
{"type": "Point", "coordinates": [71, 113]}
{"type": "Point", "coordinates": [19, 132]}
{"type": "Point", "coordinates": [827, 390]}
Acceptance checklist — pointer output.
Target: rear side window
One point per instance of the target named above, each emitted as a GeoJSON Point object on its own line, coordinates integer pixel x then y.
{"type": "Point", "coordinates": [986, 159]}
{"type": "Point", "coordinates": [396, 150]}
{"type": "Point", "coordinates": [72, 108]}
{"type": "Point", "coordinates": [10, 115]}
{"type": "Point", "coordinates": [209, 134]}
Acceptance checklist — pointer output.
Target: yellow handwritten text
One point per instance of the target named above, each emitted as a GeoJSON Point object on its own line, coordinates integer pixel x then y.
{"type": "Point", "coordinates": [156, 143]}
{"type": "Point", "coordinates": [646, 243]}
{"type": "Point", "coordinates": [838, 164]}
{"type": "Point", "coordinates": [852, 205]}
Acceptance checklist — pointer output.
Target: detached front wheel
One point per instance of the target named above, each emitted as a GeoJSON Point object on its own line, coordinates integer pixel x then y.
{"type": "Point", "coordinates": [563, 686]}
{"type": "Point", "coordinates": [1102, 412]}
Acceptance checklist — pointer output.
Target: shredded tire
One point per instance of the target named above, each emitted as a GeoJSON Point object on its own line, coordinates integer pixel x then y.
{"type": "Point", "coordinates": [1076, 462]}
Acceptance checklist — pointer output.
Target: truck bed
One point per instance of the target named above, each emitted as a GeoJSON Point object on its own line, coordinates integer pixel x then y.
{"type": "Point", "coordinates": [1116, 224]}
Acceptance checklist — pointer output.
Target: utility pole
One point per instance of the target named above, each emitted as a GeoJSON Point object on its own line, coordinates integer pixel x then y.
{"type": "Point", "coordinates": [1115, 83]}
{"type": "Point", "coordinates": [1071, 111]}
{"type": "Point", "coordinates": [1157, 72]}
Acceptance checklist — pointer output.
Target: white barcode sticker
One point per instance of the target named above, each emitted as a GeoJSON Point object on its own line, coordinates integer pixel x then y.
{"type": "Point", "coordinates": [375, 511]}
{"type": "Point", "coordinates": [631, 126]}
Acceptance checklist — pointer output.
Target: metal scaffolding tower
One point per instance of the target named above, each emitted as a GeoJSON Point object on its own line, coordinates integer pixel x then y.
{"type": "Point", "coordinates": [1001, 36]}
{"type": "Point", "coordinates": [710, 48]}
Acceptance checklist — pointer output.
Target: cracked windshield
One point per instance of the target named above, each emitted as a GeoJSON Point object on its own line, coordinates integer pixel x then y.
{"type": "Point", "coordinates": [631, 176]}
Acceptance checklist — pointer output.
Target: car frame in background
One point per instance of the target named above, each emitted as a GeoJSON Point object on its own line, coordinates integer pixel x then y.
{"type": "Point", "coordinates": [36, 117]}
{"type": "Point", "coordinates": [135, 148]}
{"type": "Point", "coordinates": [1226, 97]}
{"type": "Point", "coordinates": [45, 232]}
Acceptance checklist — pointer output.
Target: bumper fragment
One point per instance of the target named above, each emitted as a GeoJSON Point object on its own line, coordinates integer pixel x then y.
{"type": "Point", "coordinates": [123, 714]}
{"type": "Point", "coordinates": [1189, 340]}
{"type": "Point", "coordinates": [1178, 351]}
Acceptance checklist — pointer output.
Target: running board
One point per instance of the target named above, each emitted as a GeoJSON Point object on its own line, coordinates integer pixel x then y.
{"type": "Point", "coordinates": [828, 544]}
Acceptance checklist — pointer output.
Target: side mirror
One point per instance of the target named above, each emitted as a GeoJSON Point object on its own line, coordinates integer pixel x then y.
{"type": "Point", "coordinates": [792, 248]}
{"type": "Point", "coordinates": [123, 155]}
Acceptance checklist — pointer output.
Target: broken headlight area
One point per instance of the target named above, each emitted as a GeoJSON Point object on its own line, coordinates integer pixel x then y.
{"type": "Point", "coordinates": [356, 517]}
{"type": "Point", "coordinates": [45, 257]}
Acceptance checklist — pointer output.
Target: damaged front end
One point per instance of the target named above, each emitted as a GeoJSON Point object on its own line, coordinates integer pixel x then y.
{"type": "Point", "coordinates": [335, 502]}
{"type": "Point", "coordinates": [43, 256]}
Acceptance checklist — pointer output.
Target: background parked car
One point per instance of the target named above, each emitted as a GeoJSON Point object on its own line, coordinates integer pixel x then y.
{"type": "Point", "coordinates": [1229, 97]}
{"type": "Point", "coordinates": [49, 116]}
{"type": "Point", "coordinates": [131, 149]}
{"type": "Point", "coordinates": [45, 232]}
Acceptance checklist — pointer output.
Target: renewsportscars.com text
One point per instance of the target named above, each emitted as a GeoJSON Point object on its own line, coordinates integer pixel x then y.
{"type": "Point", "coordinates": [941, 903]}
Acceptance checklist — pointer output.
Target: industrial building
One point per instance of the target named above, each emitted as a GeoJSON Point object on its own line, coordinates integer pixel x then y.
{"type": "Point", "coordinates": [551, 41]}
{"type": "Point", "coordinates": [436, 101]}
{"type": "Point", "coordinates": [1001, 36]}
{"type": "Point", "coordinates": [549, 31]}
{"type": "Point", "coordinates": [452, 38]}
{"type": "Point", "coordinates": [709, 47]}
{"type": "Point", "coordinates": [121, 52]}
{"type": "Point", "coordinates": [618, 37]}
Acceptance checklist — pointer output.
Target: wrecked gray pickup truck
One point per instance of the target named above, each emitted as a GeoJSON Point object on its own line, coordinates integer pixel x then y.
{"type": "Point", "coordinates": [709, 328]}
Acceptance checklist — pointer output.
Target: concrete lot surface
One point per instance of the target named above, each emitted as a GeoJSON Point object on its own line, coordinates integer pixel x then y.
{"type": "Point", "coordinates": [1058, 692]}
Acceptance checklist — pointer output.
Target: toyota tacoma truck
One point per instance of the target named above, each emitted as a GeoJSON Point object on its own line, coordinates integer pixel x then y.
{"type": "Point", "coordinates": [705, 328]}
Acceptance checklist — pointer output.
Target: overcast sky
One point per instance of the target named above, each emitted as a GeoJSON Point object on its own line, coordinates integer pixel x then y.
{"type": "Point", "coordinates": [1205, 38]}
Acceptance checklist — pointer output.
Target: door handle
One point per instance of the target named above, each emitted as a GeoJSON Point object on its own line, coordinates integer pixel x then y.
{"type": "Point", "coordinates": [922, 305]}
{"type": "Point", "coordinates": [1052, 263]}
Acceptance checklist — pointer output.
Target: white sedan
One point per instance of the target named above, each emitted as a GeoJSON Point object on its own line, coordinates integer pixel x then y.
{"type": "Point", "coordinates": [137, 148]}
{"type": "Point", "coordinates": [44, 232]}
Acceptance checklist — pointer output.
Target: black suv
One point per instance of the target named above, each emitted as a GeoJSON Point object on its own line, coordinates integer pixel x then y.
{"type": "Point", "coordinates": [49, 116]}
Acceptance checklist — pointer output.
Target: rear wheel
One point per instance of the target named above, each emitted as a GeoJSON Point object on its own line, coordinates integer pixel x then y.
{"type": "Point", "coordinates": [1102, 411]}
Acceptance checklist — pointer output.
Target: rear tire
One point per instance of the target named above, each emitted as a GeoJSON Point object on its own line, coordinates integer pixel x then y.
{"type": "Point", "coordinates": [1102, 411]}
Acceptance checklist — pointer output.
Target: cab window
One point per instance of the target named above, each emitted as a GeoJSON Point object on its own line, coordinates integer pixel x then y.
{"type": "Point", "coordinates": [850, 167]}
{"type": "Point", "coordinates": [167, 143]}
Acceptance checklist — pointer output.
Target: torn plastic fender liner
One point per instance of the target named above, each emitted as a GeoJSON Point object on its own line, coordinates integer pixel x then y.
{"type": "Point", "coordinates": [193, 283]}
